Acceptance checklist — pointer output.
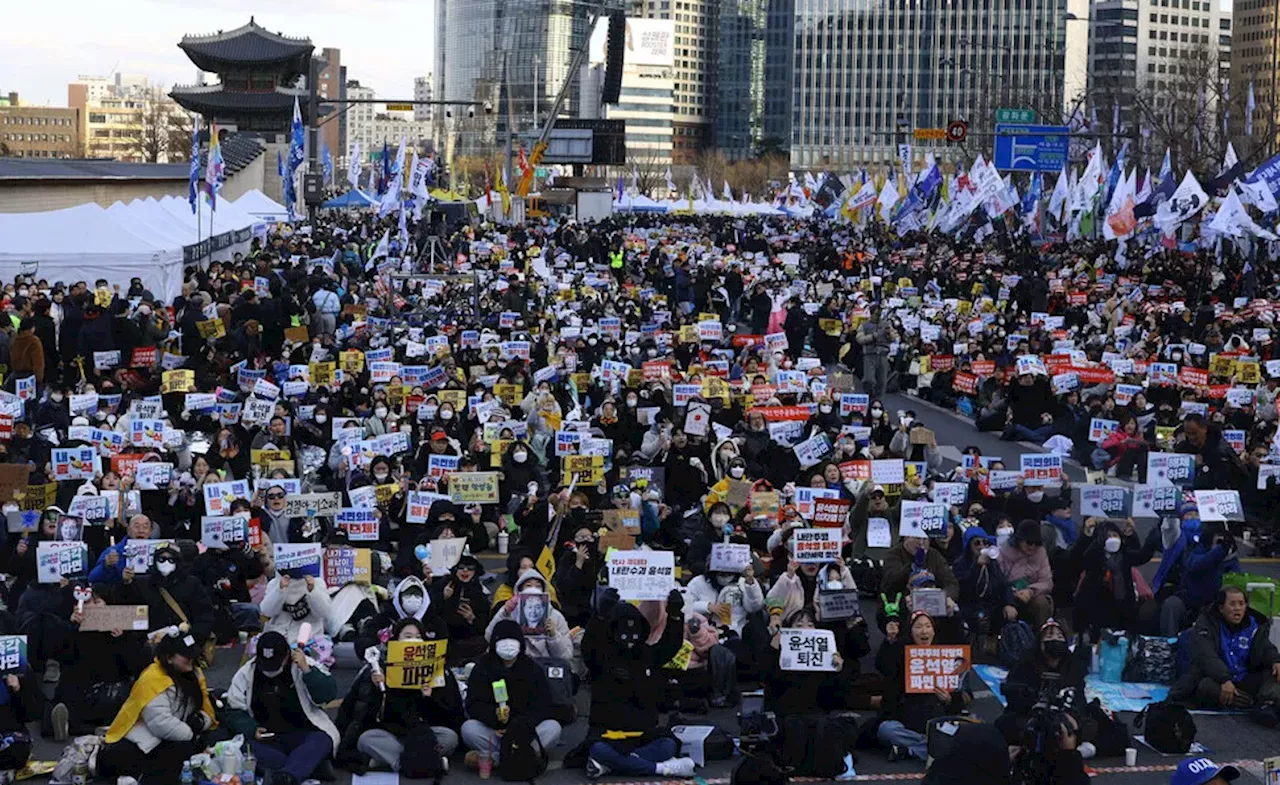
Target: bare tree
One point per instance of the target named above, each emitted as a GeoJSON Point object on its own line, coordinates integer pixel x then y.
{"type": "Point", "coordinates": [4, 150]}
{"type": "Point", "coordinates": [650, 171]}
{"type": "Point", "coordinates": [162, 134]}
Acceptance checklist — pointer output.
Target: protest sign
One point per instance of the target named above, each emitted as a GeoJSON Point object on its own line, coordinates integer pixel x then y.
{"type": "Point", "coordinates": [224, 531]}
{"type": "Point", "coordinates": [139, 554]}
{"type": "Point", "coordinates": [642, 575]}
{"type": "Point", "coordinates": [1218, 505]}
{"type": "Point", "coordinates": [13, 480]}
{"type": "Point", "coordinates": [412, 665]}
{"type": "Point", "coordinates": [344, 564]}
{"type": "Point", "coordinates": [729, 557]}
{"type": "Point", "coordinates": [932, 601]}
{"type": "Point", "coordinates": [935, 667]}
{"type": "Point", "coordinates": [473, 487]}
{"type": "Point", "coordinates": [1103, 501]}
{"type": "Point", "coordinates": [816, 546]}
{"type": "Point", "coordinates": [1168, 468]}
{"type": "Point", "coordinates": [952, 494]}
{"type": "Point", "coordinates": [443, 554]}
{"type": "Point", "coordinates": [313, 505]}
{"type": "Point", "coordinates": [806, 650]}
{"type": "Point", "coordinates": [1100, 428]}
{"type": "Point", "coordinates": [108, 618]}
{"type": "Point", "coordinates": [13, 655]}
{"type": "Point", "coordinates": [1155, 501]}
{"type": "Point", "coordinates": [838, 605]}
{"type": "Point", "coordinates": [1041, 469]}
{"type": "Point", "coordinates": [805, 498]}
{"type": "Point", "coordinates": [153, 475]}
{"type": "Point", "coordinates": [361, 524]}
{"type": "Point", "coordinates": [218, 496]}
{"type": "Point", "coordinates": [299, 558]}
{"type": "Point", "coordinates": [74, 463]}
{"type": "Point", "coordinates": [90, 507]}
{"type": "Point", "coordinates": [922, 519]}
{"type": "Point", "coordinates": [830, 513]}
{"type": "Point", "coordinates": [57, 559]}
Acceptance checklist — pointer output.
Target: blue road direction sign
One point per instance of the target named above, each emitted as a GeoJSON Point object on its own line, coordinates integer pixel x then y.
{"type": "Point", "coordinates": [1031, 148]}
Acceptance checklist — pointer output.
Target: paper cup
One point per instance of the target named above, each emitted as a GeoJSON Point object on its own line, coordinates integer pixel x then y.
{"type": "Point", "coordinates": [1130, 756]}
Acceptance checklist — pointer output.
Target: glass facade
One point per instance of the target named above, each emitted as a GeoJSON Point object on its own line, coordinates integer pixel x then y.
{"type": "Point", "coordinates": [866, 72]}
{"type": "Point", "coordinates": [534, 40]}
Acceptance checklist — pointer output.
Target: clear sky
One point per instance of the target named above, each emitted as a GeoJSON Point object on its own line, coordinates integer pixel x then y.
{"type": "Point", "coordinates": [384, 43]}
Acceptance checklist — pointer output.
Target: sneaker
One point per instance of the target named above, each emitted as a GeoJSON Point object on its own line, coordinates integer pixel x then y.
{"type": "Point", "coordinates": [596, 769]}
{"type": "Point", "coordinates": [676, 767]}
{"type": "Point", "coordinates": [848, 773]}
{"type": "Point", "coordinates": [472, 760]}
{"type": "Point", "coordinates": [898, 752]}
{"type": "Point", "coordinates": [61, 720]}
{"type": "Point", "coordinates": [1087, 750]}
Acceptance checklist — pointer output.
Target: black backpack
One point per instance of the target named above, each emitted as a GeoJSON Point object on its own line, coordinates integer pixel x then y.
{"type": "Point", "coordinates": [815, 745]}
{"type": "Point", "coordinates": [866, 574]}
{"type": "Point", "coordinates": [759, 768]}
{"type": "Point", "coordinates": [1017, 643]}
{"type": "Point", "coordinates": [522, 755]}
{"type": "Point", "coordinates": [421, 759]}
{"type": "Point", "coordinates": [1170, 728]}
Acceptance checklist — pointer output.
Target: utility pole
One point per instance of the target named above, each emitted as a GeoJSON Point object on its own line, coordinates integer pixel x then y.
{"type": "Point", "coordinates": [312, 188]}
{"type": "Point", "coordinates": [536, 63]}
{"type": "Point", "coordinates": [511, 115]}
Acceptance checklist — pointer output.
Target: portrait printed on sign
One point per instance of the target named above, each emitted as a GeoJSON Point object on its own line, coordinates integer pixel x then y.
{"type": "Point", "coordinates": [532, 610]}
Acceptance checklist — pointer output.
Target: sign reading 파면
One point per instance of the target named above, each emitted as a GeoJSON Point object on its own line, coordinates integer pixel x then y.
{"type": "Point", "coordinates": [224, 530]}
{"type": "Point", "coordinates": [816, 545]}
{"type": "Point", "coordinates": [806, 650]}
{"type": "Point", "coordinates": [105, 618]}
{"type": "Point", "coordinates": [412, 665]}
{"type": "Point", "coordinates": [138, 554]}
{"type": "Point", "coordinates": [729, 557]}
{"type": "Point", "coordinates": [642, 575]}
{"type": "Point", "coordinates": [13, 654]}
{"type": "Point", "coordinates": [303, 557]}
{"type": "Point", "coordinates": [931, 667]}
{"type": "Point", "coordinates": [473, 487]}
{"type": "Point", "coordinates": [57, 559]}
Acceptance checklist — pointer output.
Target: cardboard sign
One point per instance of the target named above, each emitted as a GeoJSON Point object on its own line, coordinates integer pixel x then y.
{"type": "Point", "coordinates": [816, 546]}
{"type": "Point", "coordinates": [13, 480]}
{"type": "Point", "coordinates": [642, 575]}
{"type": "Point", "coordinates": [932, 667]}
{"type": "Point", "coordinates": [729, 557]}
{"type": "Point", "coordinates": [806, 650]}
{"type": "Point", "coordinates": [412, 665]}
{"type": "Point", "coordinates": [344, 564]}
{"type": "Point", "coordinates": [1103, 501]}
{"type": "Point", "coordinates": [624, 520]}
{"type": "Point", "coordinates": [922, 519]}
{"type": "Point", "coordinates": [58, 559]}
{"type": "Point", "coordinates": [473, 487]}
{"type": "Point", "coordinates": [838, 605]}
{"type": "Point", "coordinates": [443, 554]}
{"type": "Point", "coordinates": [304, 557]}
{"type": "Point", "coordinates": [830, 513]}
{"type": "Point", "coordinates": [107, 618]}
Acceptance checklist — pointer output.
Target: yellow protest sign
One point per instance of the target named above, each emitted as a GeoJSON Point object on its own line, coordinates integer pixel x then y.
{"type": "Point", "coordinates": [177, 380]}
{"type": "Point", "coordinates": [688, 333]}
{"type": "Point", "coordinates": [964, 307]}
{"type": "Point", "coordinates": [497, 449]}
{"type": "Point", "coordinates": [413, 664]}
{"type": "Point", "coordinates": [715, 387]}
{"type": "Point", "coordinates": [322, 374]}
{"type": "Point", "coordinates": [589, 468]}
{"type": "Point", "coordinates": [1221, 366]}
{"type": "Point", "coordinates": [383, 493]}
{"type": "Point", "coordinates": [510, 394]}
{"type": "Point", "coordinates": [352, 361]}
{"type": "Point", "coordinates": [211, 328]}
{"type": "Point", "coordinates": [296, 334]}
{"type": "Point", "coordinates": [830, 326]}
{"type": "Point", "coordinates": [1248, 372]}
{"type": "Point", "coordinates": [264, 458]}
{"type": "Point", "coordinates": [38, 497]}
{"type": "Point", "coordinates": [473, 487]}
{"type": "Point", "coordinates": [680, 662]}
{"type": "Point", "coordinates": [456, 397]}
{"type": "Point", "coordinates": [395, 395]}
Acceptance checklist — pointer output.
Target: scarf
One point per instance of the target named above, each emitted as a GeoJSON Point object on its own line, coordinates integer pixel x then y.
{"type": "Point", "coordinates": [151, 683]}
{"type": "Point", "coordinates": [1235, 646]}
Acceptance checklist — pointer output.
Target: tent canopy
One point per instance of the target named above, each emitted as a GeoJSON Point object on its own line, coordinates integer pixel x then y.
{"type": "Point", "coordinates": [262, 207]}
{"type": "Point", "coordinates": [352, 198]}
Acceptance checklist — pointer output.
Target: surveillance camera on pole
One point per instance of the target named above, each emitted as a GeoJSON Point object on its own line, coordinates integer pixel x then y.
{"type": "Point", "coordinates": [488, 107]}
{"type": "Point", "coordinates": [471, 111]}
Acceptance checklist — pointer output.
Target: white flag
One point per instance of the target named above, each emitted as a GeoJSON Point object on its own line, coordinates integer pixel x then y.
{"type": "Point", "coordinates": [888, 198]}
{"type": "Point", "coordinates": [727, 192]}
{"type": "Point", "coordinates": [380, 251]}
{"type": "Point", "coordinates": [1058, 199]}
{"type": "Point", "coordinates": [1232, 219]}
{"type": "Point", "coordinates": [671, 186]}
{"type": "Point", "coordinates": [1188, 200]}
{"type": "Point", "coordinates": [353, 166]}
{"type": "Point", "coordinates": [1249, 106]}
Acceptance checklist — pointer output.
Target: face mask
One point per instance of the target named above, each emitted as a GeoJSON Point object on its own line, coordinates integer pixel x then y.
{"type": "Point", "coordinates": [380, 412]}
{"type": "Point", "coordinates": [519, 456]}
{"type": "Point", "coordinates": [719, 519]}
{"type": "Point", "coordinates": [411, 638]}
{"type": "Point", "coordinates": [380, 476]}
{"type": "Point", "coordinates": [411, 603]}
{"type": "Point", "coordinates": [1035, 497]}
{"type": "Point", "coordinates": [825, 408]}
{"type": "Point", "coordinates": [876, 413]}
{"type": "Point", "coordinates": [321, 419]}
{"type": "Point", "coordinates": [631, 401]}
{"type": "Point", "coordinates": [1112, 545]}
{"type": "Point", "coordinates": [274, 673]}
{"type": "Point", "coordinates": [736, 472]}
{"type": "Point", "coordinates": [991, 552]}
{"type": "Point", "coordinates": [55, 397]}
{"type": "Point", "coordinates": [447, 414]}
{"type": "Point", "coordinates": [1002, 536]}
{"type": "Point", "coordinates": [99, 416]}
{"type": "Point", "coordinates": [507, 648]}
{"type": "Point", "coordinates": [165, 567]}
{"type": "Point", "coordinates": [406, 427]}
{"type": "Point", "coordinates": [834, 586]}
{"type": "Point", "coordinates": [723, 580]}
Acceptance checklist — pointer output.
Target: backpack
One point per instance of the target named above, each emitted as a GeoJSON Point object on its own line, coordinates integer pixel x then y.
{"type": "Point", "coordinates": [1152, 659]}
{"type": "Point", "coordinates": [1017, 642]}
{"type": "Point", "coordinates": [421, 759]}
{"type": "Point", "coordinates": [1111, 736]}
{"type": "Point", "coordinates": [522, 755]}
{"type": "Point", "coordinates": [759, 768]}
{"type": "Point", "coordinates": [1170, 727]}
{"type": "Point", "coordinates": [815, 745]}
{"type": "Point", "coordinates": [866, 575]}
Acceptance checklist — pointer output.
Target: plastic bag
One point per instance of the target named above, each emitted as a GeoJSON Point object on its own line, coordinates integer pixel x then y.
{"type": "Point", "coordinates": [226, 757]}
{"type": "Point", "coordinates": [1113, 655]}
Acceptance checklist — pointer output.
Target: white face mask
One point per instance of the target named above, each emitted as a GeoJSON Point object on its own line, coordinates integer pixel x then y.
{"type": "Point", "coordinates": [825, 408]}
{"type": "Point", "coordinates": [991, 552]}
{"type": "Point", "coordinates": [719, 519]}
{"type": "Point", "coordinates": [1002, 536]}
{"type": "Point", "coordinates": [519, 456]}
{"type": "Point", "coordinates": [1035, 497]}
{"type": "Point", "coordinates": [406, 427]}
{"type": "Point", "coordinates": [876, 413]}
{"type": "Point", "coordinates": [736, 472]}
{"type": "Point", "coordinates": [834, 585]}
{"type": "Point", "coordinates": [321, 419]}
{"type": "Point", "coordinates": [446, 414]}
{"type": "Point", "coordinates": [507, 648]}
{"type": "Point", "coordinates": [380, 476]}
{"type": "Point", "coordinates": [380, 412]}
{"type": "Point", "coordinates": [411, 603]}
{"type": "Point", "coordinates": [55, 397]}
{"type": "Point", "coordinates": [1112, 545]}
{"type": "Point", "coordinates": [165, 567]}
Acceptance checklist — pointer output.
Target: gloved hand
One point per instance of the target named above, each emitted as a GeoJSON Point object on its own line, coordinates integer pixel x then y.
{"type": "Point", "coordinates": [606, 601]}
{"type": "Point", "coordinates": [197, 723]}
{"type": "Point", "coordinates": [675, 603]}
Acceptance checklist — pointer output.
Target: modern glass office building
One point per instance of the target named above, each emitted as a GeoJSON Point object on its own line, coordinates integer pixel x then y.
{"type": "Point", "coordinates": [753, 88]}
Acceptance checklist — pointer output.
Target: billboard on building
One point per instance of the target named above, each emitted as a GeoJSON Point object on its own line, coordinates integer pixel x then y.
{"type": "Point", "coordinates": [649, 42]}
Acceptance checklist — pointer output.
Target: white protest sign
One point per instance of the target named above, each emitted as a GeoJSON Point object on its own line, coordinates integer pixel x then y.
{"type": "Point", "coordinates": [816, 546]}
{"type": "Point", "coordinates": [922, 519]}
{"type": "Point", "coordinates": [729, 557]}
{"type": "Point", "coordinates": [1217, 505]}
{"type": "Point", "coordinates": [1103, 501]}
{"type": "Point", "coordinates": [806, 650]}
{"type": "Point", "coordinates": [642, 575]}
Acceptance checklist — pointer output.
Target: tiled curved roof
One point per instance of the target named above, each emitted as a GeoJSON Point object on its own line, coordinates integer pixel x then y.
{"type": "Point", "coordinates": [248, 44]}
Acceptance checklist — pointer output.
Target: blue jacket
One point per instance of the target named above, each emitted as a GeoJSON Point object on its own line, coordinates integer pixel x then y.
{"type": "Point", "coordinates": [104, 573]}
{"type": "Point", "coordinates": [1202, 569]}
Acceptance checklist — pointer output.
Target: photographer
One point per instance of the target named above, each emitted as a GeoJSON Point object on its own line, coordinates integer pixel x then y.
{"type": "Point", "coordinates": [1049, 754]}
{"type": "Point", "coordinates": [1050, 670]}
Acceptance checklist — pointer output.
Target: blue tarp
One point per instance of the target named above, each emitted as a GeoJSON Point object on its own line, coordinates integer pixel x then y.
{"type": "Point", "coordinates": [354, 198]}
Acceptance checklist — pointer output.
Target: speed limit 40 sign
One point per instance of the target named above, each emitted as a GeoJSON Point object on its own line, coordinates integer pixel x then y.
{"type": "Point", "coordinates": [957, 131]}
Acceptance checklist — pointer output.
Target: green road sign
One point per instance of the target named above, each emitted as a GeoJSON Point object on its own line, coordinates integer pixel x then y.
{"type": "Point", "coordinates": [1015, 116]}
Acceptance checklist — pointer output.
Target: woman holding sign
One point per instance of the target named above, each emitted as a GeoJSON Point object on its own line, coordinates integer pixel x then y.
{"type": "Point", "coordinates": [904, 715]}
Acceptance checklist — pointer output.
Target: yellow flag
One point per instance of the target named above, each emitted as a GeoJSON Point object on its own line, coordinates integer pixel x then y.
{"type": "Point", "coordinates": [546, 563]}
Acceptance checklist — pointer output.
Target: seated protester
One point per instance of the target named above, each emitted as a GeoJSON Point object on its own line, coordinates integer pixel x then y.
{"type": "Point", "coordinates": [19, 559]}
{"type": "Point", "coordinates": [408, 601]}
{"type": "Point", "coordinates": [173, 595]}
{"type": "Point", "coordinates": [727, 597]}
{"type": "Point", "coordinates": [443, 523]}
{"type": "Point", "coordinates": [272, 518]}
{"type": "Point", "coordinates": [227, 571]}
{"type": "Point", "coordinates": [1234, 664]}
{"type": "Point", "coordinates": [1026, 568]}
{"type": "Point", "coordinates": [276, 701]}
{"type": "Point", "coordinates": [546, 633]}
{"type": "Point", "coordinates": [1107, 597]}
{"type": "Point", "coordinates": [1124, 451]}
{"type": "Point", "coordinates": [21, 703]}
{"type": "Point", "coordinates": [709, 677]}
{"type": "Point", "coordinates": [796, 586]}
{"type": "Point", "coordinates": [1208, 552]}
{"type": "Point", "coordinates": [160, 724]}
{"type": "Point", "coordinates": [378, 723]}
{"type": "Point", "coordinates": [577, 574]}
{"type": "Point", "coordinates": [463, 603]}
{"type": "Point", "coordinates": [983, 590]}
{"type": "Point", "coordinates": [624, 659]}
{"type": "Point", "coordinates": [528, 697]}
{"type": "Point", "coordinates": [804, 692]}
{"type": "Point", "coordinates": [1040, 679]}
{"type": "Point", "coordinates": [291, 601]}
{"type": "Point", "coordinates": [110, 566]}
{"type": "Point", "coordinates": [904, 717]}
{"type": "Point", "coordinates": [98, 669]}
{"type": "Point", "coordinates": [916, 563]}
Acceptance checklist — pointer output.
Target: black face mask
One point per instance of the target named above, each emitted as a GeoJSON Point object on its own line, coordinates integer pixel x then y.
{"type": "Point", "coordinates": [1055, 649]}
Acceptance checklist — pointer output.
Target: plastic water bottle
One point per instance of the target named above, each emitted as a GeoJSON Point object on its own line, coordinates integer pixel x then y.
{"type": "Point", "coordinates": [80, 774]}
{"type": "Point", "coordinates": [248, 773]}
{"type": "Point", "coordinates": [188, 777]}
{"type": "Point", "coordinates": [503, 540]}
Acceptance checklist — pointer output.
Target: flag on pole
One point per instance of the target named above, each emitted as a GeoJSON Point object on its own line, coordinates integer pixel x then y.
{"type": "Point", "coordinates": [215, 168]}
{"type": "Point", "coordinates": [671, 186]}
{"type": "Point", "coordinates": [297, 142]}
{"type": "Point", "coordinates": [1249, 105]}
{"type": "Point", "coordinates": [385, 180]}
{"type": "Point", "coordinates": [1058, 199]}
{"type": "Point", "coordinates": [328, 162]}
{"type": "Point", "coordinates": [193, 176]}
{"type": "Point", "coordinates": [353, 167]}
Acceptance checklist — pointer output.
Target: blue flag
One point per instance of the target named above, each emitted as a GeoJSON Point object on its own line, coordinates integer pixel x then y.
{"type": "Point", "coordinates": [297, 143]}
{"type": "Point", "coordinates": [193, 176]}
{"type": "Point", "coordinates": [328, 162]}
{"type": "Point", "coordinates": [279, 164]}
{"type": "Point", "coordinates": [385, 180]}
